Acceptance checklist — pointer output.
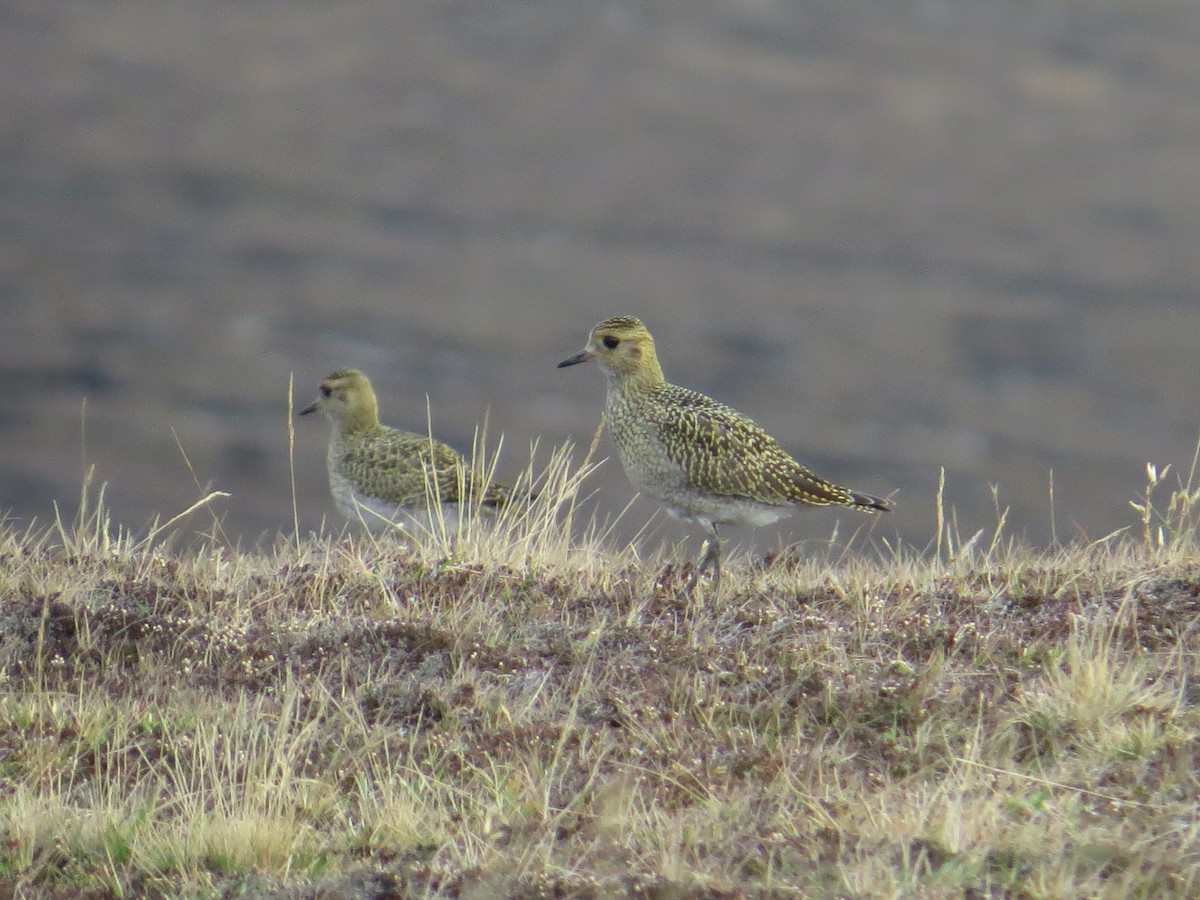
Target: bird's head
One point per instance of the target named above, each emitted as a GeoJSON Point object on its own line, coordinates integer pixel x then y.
{"type": "Point", "coordinates": [624, 349]}
{"type": "Point", "coordinates": [346, 396]}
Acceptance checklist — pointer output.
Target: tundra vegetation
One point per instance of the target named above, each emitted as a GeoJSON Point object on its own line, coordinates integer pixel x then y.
{"type": "Point", "coordinates": [525, 708]}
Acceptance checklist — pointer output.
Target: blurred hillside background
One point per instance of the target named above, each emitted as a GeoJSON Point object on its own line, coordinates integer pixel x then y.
{"type": "Point", "coordinates": [901, 235]}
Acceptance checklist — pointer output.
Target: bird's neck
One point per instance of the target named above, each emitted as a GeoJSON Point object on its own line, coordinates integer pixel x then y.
{"type": "Point", "coordinates": [358, 421]}
{"type": "Point", "coordinates": [645, 379]}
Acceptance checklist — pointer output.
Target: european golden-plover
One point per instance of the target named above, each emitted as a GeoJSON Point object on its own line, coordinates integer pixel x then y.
{"type": "Point", "coordinates": [701, 459]}
{"type": "Point", "coordinates": [379, 474]}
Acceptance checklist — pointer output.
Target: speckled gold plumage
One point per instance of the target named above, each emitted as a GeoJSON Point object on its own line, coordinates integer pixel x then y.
{"type": "Point", "coordinates": [386, 472]}
{"type": "Point", "coordinates": [701, 459]}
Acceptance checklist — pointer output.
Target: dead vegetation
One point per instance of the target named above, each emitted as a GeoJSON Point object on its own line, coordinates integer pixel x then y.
{"type": "Point", "coordinates": [346, 717]}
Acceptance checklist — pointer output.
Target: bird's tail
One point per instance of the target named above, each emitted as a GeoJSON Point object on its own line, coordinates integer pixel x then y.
{"type": "Point", "coordinates": [867, 503]}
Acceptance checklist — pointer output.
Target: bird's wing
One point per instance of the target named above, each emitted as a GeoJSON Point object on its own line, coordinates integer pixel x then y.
{"type": "Point", "coordinates": [725, 452]}
{"type": "Point", "coordinates": [394, 466]}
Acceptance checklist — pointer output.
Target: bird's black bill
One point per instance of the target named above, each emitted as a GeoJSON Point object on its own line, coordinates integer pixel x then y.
{"type": "Point", "coordinates": [311, 408]}
{"type": "Point", "coordinates": [575, 360]}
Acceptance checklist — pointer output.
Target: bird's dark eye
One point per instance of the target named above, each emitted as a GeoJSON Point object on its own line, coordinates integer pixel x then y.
{"type": "Point", "coordinates": [610, 342]}
{"type": "Point", "coordinates": [325, 391]}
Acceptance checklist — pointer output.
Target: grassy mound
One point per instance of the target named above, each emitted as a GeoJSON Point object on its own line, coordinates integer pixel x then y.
{"type": "Point", "coordinates": [514, 711]}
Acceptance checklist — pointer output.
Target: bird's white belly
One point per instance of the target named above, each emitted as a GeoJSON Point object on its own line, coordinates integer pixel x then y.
{"type": "Point", "coordinates": [379, 515]}
{"type": "Point", "coordinates": [723, 510]}
{"type": "Point", "coordinates": [668, 484]}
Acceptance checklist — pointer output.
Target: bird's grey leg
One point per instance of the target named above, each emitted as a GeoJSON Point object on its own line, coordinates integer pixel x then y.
{"type": "Point", "coordinates": [710, 557]}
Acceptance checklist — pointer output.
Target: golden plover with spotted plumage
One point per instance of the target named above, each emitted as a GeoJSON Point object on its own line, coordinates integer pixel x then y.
{"type": "Point", "coordinates": [701, 459]}
{"type": "Point", "coordinates": [380, 475]}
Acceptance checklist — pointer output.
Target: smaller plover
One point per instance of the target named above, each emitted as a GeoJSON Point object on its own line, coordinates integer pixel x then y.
{"type": "Point", "coordinates": [380, 475]}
